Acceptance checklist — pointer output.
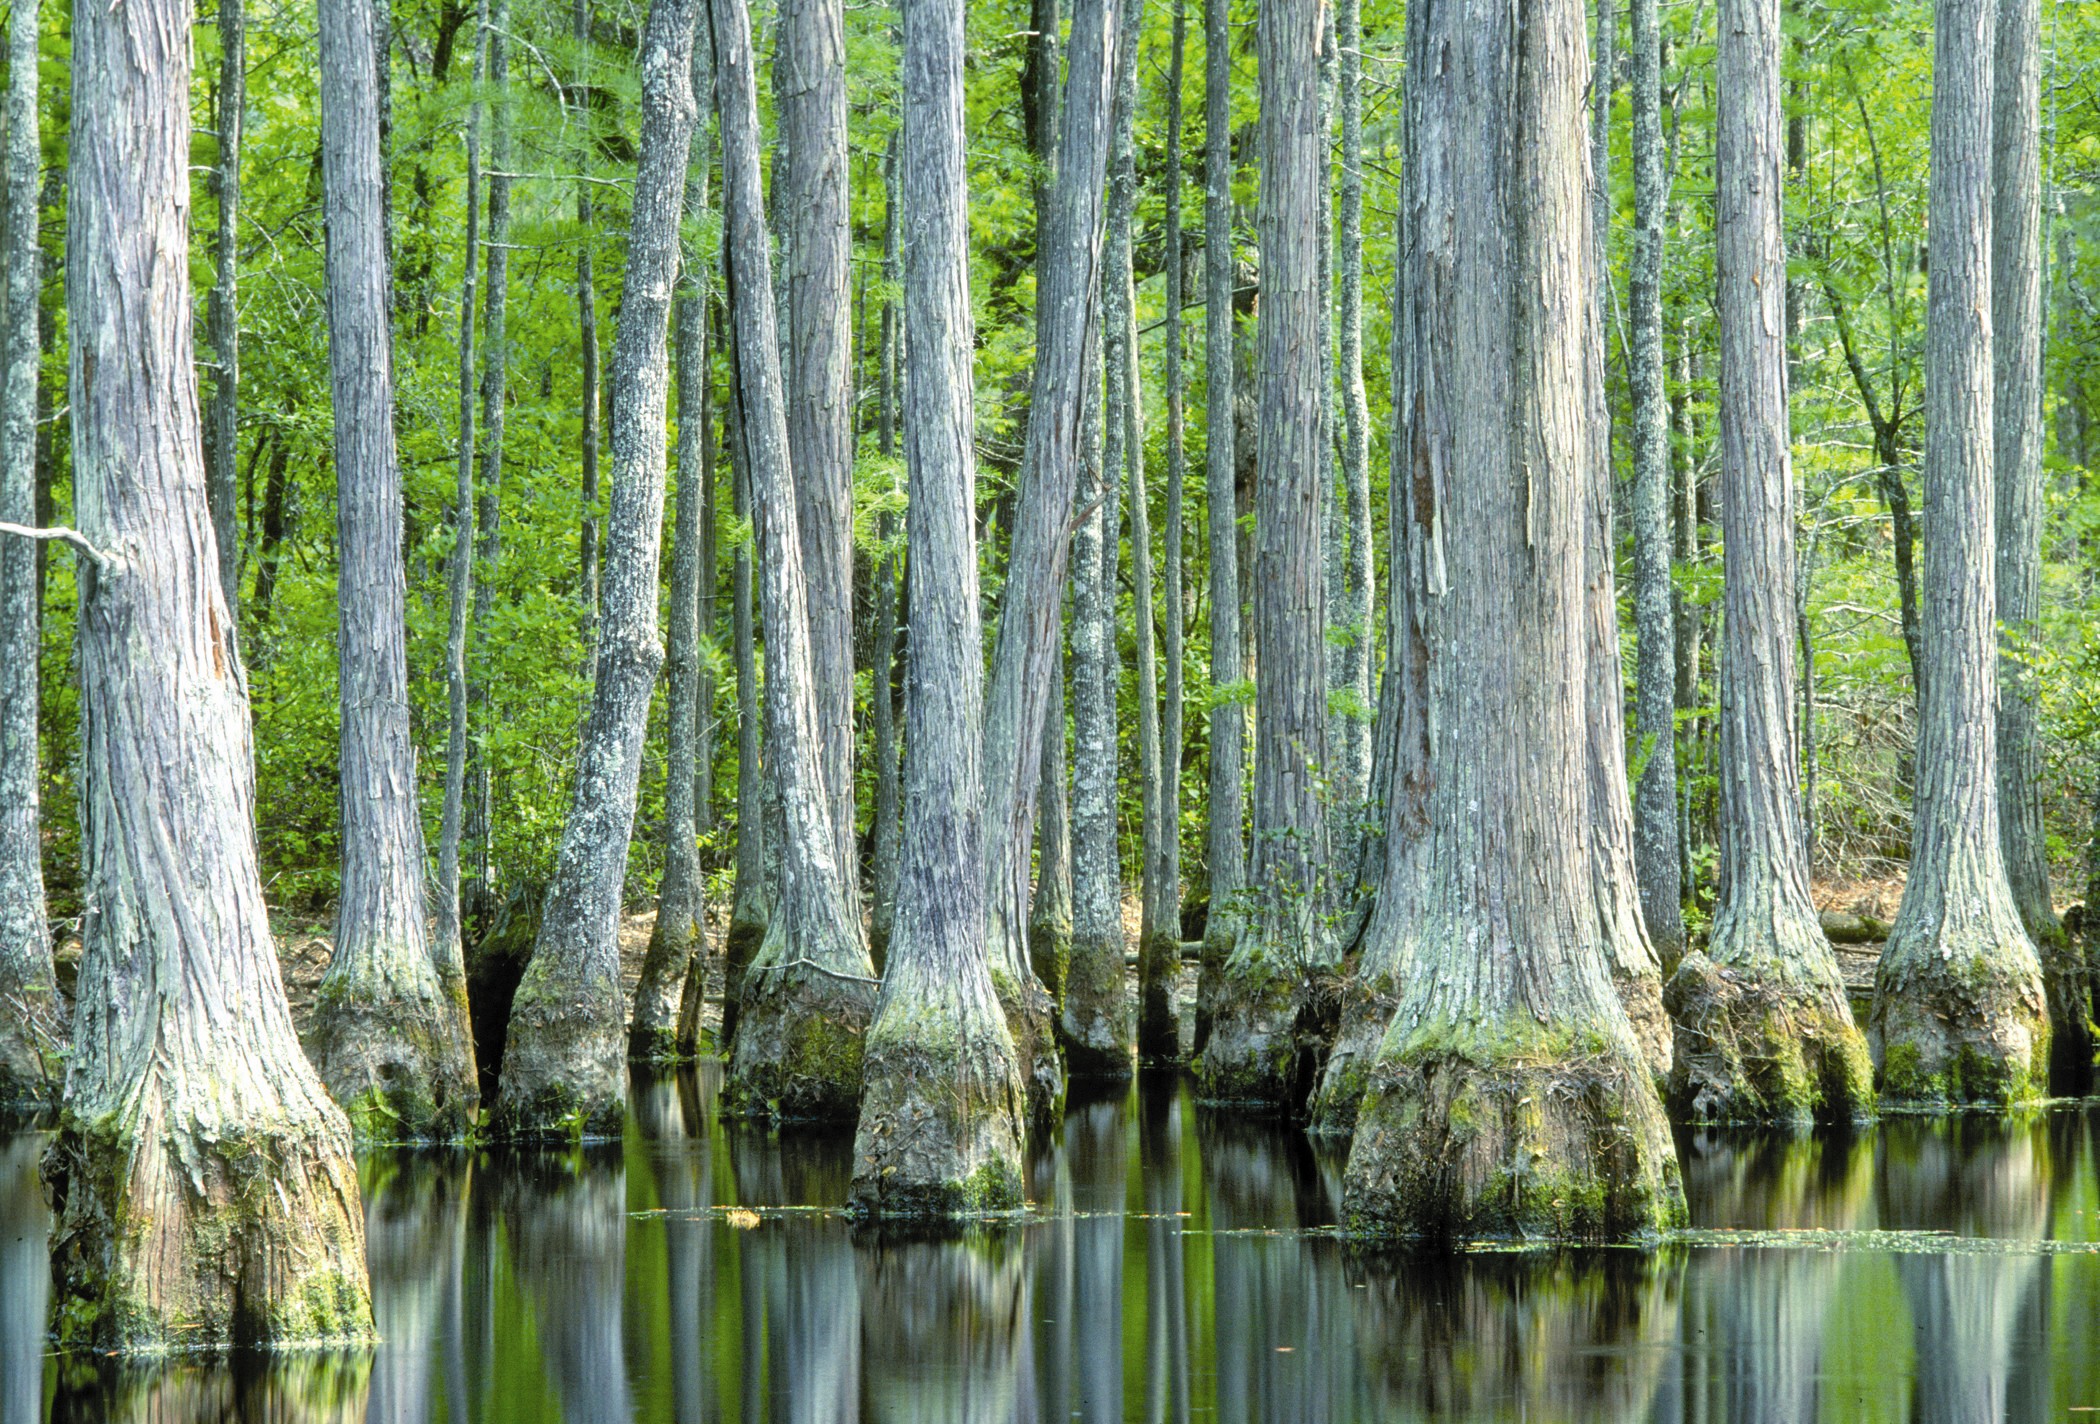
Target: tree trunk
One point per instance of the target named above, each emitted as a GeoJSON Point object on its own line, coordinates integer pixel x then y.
{"type": "Point", "coordinates": [587, 338]}
{"type": "Point", "coordinates": [1764, 1032]}
{"type": "Point", "coordinates": [1285, 941]}
{"type": "Point", "coordinates": [495, 386]}
{"type": "Point", "coordinates": [942, 1117]}
{"type": "Point", "coordinates": [676, 938]}
{"type": "Point", "coordinates": [32, 1029]}
{"type": "Point", "coordinates": [1352, 653]}
{"type": "Point", "coordinates": [1018, 701]}
{"type": "Point", "coordinates": [222, 309]}
{"type": "Point", "coordinates": [1225, 849]}
{"type": "Point", "coordinates": [1097, 1023]}
{"type": "Point", "coordinates": [1159, 1022]}
{"type": "Point", "coordinates": [459, 758]}
{"type": "Point", "coordinates": [202, 1179]}
{"type": "Point", "coordinates": [1509, 1044]}
{"type": "Point", "coordinates": [809, 84]}
{"type": "Point", "coordinates": [809, 992]}
{"type": "Point", "coordinates": [1654, 726]}
{"type": "Point", "coordinates": [1959, 1009]}
{"type": "Point", "coordinates": [1050, 910]}
{"type": "Point", "coordinates": [563, 1069]}
{"type": "Point", "coordinates": [389, 1031]}
{"type": "Point", "coordinates": [751, 901]}
{"type": "Point", "coordinates": [887, 832]}
{"type": "Point", "coordinates": [2016, 330]}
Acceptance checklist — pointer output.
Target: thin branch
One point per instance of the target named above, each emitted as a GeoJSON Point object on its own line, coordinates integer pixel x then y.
{"type": "Point", "coordinates": [71, 536]}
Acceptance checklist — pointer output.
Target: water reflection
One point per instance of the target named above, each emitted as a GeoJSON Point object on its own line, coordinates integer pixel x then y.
{"type": "Point", "coordinates": [1179, 1264]}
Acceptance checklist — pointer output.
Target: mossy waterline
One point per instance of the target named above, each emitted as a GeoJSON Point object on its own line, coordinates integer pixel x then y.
{"type": "Point", "coordinates": [564, 1069]}
{"type": "Point", "coordinates": [173, 1238]}
{"type": "Point", "coordinates": [1960, 1024]}
{"type": "Point", "coordinates": [943, 1112]}
{"type": "Point", "coordinates": [800, 1044]}
{"type": "Point", "coordinates": [397, 1057]}
{"type": "Point", "coordinates": [1770, 1048]}
{"type": "Point", "coordinates": [1252, 1049]}
{"type": "Point", "coordinates": [1510, 1128]}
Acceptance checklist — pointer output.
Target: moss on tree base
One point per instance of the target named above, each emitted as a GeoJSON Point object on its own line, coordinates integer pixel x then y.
{"type": "Point", "coordinates": [1753, 1049]}
{"type": "Point", "coordinates": [1959, 1024]}
{"type": "Point", "coordinates": [941, 1116]}
{"type": "Point", "coordinates": [653, 1026]}
{"type": "Point", "coordinates": [400, 1062]}
{"type": "Point", "coordinates": [1511, 1130]}
{"type": "Point", "coordinates": [1097, 1024]}
{"type": "Point", "coordinates": [1251, 1054]}
{"type": "Point", "coordinates": [1031, 1022]}
{"type": "Point", "coordinates": [564, 1074]}
{"type": "Point", "coordinates": [740, 946]}
{"type": "Point", "coordinates": [1367, 1010]}
{"type": "Point", "coordinates": [174, 1238]}
{"type": "Point", "coordinates": [800, 1045]}
{"type": "Point", "coordinates": [1050, 953]}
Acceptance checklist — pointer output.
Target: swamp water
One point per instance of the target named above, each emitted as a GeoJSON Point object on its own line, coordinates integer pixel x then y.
{"type": "Point", "coordinates": [1179, 1263]}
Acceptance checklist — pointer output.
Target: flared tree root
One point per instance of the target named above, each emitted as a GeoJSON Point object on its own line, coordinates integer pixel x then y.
{"type": "Point", "coordinates": [801, 1043]}
{"type": "Point", "coordinates": [1366, 1012]}
{"type": "Point", "coordinates": [1959, 1025]}
{"type": "Point", "coordinates": [740, 945]}
{"type": "Point", "coordinates": [1098, 1023]}
{"type": "Point", "coordinates": [180, 1238]}
{"type": "Point", "coordinates": [653, 1030]}
{"type": "Point", "coordinates": [1031, 1021]}
{"type": "Point", "coordinates": [1251, 1055]}
{"type": "Point", "coordinates": [400, 1061]}
{"type": "Point", "coordinates": [1511, 1131]}
{"type": "Point", "coordinates": [1765, 1050]}
{"type": "Point", "coordinates": [564, 1068]}
{"type": "Point", "coordinates": [942, 1116]}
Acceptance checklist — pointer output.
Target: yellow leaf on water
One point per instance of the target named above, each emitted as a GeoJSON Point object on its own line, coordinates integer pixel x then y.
{"type": "Point", "coordinates": [742, 1218]}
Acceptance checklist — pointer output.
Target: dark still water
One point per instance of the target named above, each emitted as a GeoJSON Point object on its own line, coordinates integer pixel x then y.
{"type": "Point", "coordinates": [1178, 1265]}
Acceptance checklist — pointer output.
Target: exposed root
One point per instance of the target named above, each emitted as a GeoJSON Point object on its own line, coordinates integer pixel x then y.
{"type": "Point", "coordinates": [1529, 1132]}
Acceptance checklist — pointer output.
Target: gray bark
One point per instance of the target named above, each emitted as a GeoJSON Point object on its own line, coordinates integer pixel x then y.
{"type": "Point", "coordinates": [1050, 911]}
{"type": "Point", "coordinates": [588, 552]}
{"type": "Point", "coordinates": [460, 573]}
{"type": "Point", "coordinates": [1225, 849]}
{"type": "Point", "coordinates": [1159, 1028]}
{"type": "Point", "coordinates": [1959, 1009]}
{"type": "Point", "coordinates": [808, 994]}
{"type": "Point", "coordinates": [942, 1115]}
{"type": "Point", "coordinates": [389, 1030]}
{"type": "Point", "coordinates": [1285, 940]}
{"type": "Point", "coordinates": [1655, 794]}
{"type": "Point", "coordinates": [32, 1026]}
{"type": "Point", "coordinates": [1509, 1042]}
{"type": "Point", "coordinates": [563, 1066]}
{"type": "Point", "coordinates": [676, 937]}
{"type": "Point", "coordinates": [1098, 1021]}
{"type": "Point", "coordinates": [1017, 703]}
{"type": "Point", "coordinates": [2016, 330]}
{"type": "Point", "coordinates": [1351, 654]}
{"type": "Point", "coordinates": [751, 901]}
{"type": "Point", "coordinates": [809, 84]}
{"type": "Point", "coordinates": [888, 830]}
{"type": "Point", "coordinates": [1764, 1032]}
{"type": "Point", "coordinates": [186, 1069]}
{"type": "Point", "coordinates": [222, 308]}
{"type": "Point", "coordinates": [488, 494]}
